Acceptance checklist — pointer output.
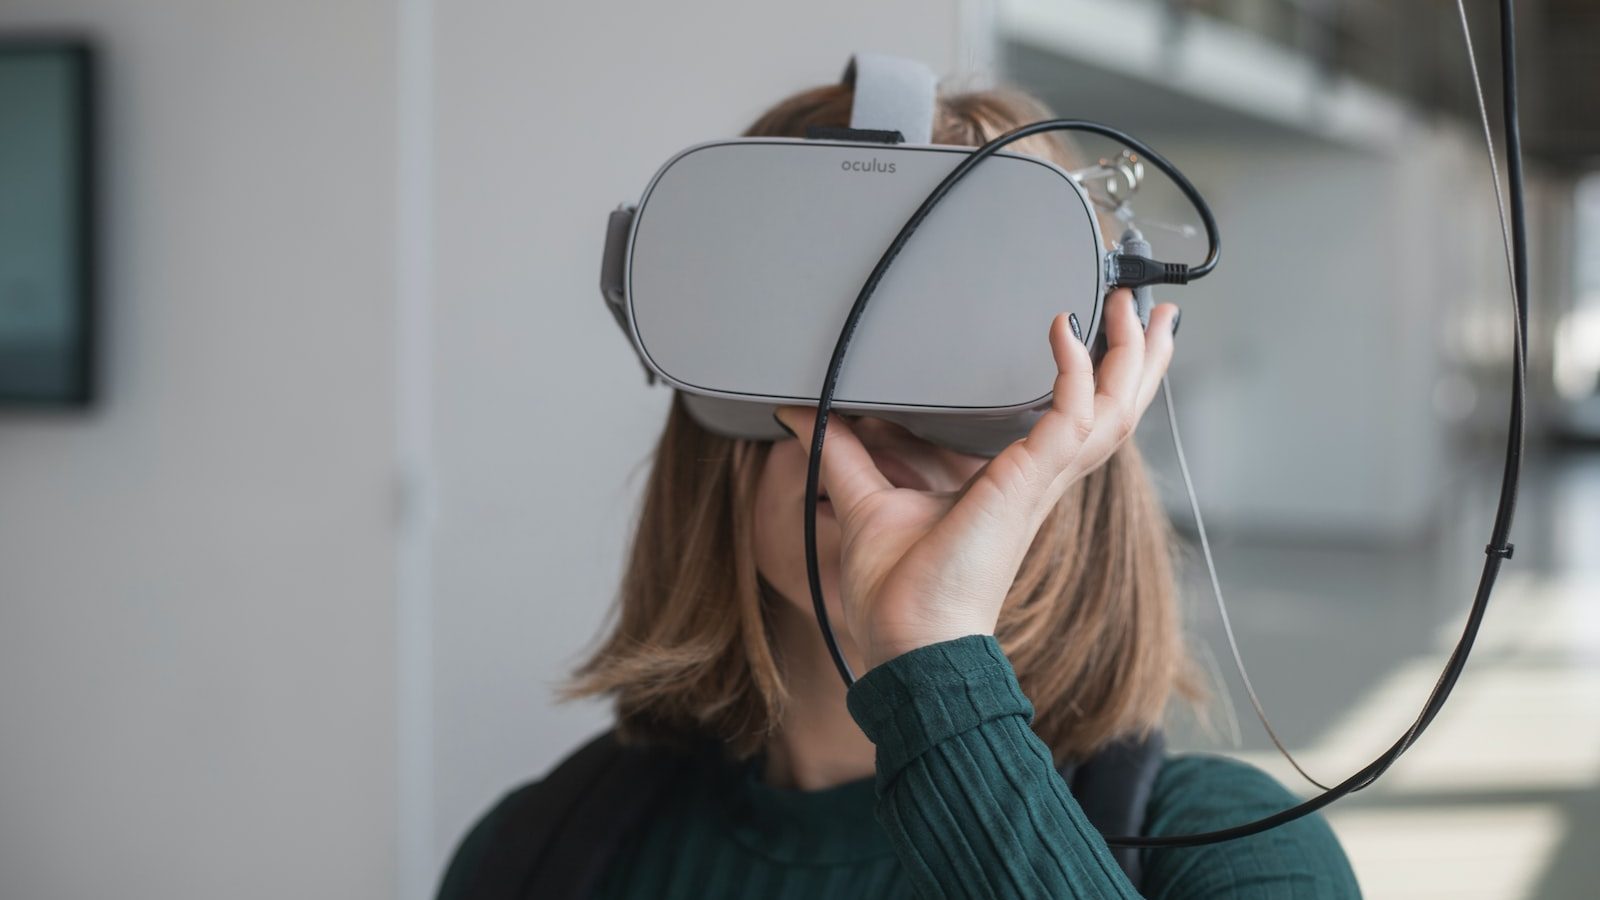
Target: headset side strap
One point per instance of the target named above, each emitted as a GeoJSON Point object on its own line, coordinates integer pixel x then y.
{"type": "Point", "coordinates": [613, 274]}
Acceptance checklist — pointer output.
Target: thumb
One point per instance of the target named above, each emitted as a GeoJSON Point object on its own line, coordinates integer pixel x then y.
{"type": "Point", "coordinates": [848, 473]}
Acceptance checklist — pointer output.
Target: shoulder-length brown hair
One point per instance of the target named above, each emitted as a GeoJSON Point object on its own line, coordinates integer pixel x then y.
{"type": "Point", "coordinates": [1091, 623]}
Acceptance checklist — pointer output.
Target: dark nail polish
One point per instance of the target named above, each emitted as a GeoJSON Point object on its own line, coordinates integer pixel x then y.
{"type": "Point", "coordinates": [1176, 320]}
{"type": "Point", "coordinates": [1072, 322]}
{"type": "Point", "coordinates": [787, 430]}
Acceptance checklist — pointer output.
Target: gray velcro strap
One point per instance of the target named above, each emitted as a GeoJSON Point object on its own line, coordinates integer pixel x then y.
{"type": "Point", "coordinates": [892, 94]}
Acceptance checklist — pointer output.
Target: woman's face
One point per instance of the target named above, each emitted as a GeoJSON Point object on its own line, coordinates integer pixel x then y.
{"type": "Point", "coordinates": [905, 459]}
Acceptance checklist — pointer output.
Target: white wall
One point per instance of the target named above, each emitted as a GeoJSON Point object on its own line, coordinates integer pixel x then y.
{"type": "Point", "coordinates": [1321, 370]}
{"type": "Point", "coordinates": [1308, 362]}
{"type": "Point", "coordinates": [196, 614]}
{"type": "Point", "coordinates": [547, 118]}
{"type": "Point", "coordinates": [283, 615]}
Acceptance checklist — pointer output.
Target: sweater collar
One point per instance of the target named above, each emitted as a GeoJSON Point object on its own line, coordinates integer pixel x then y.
{"type": "Point", "coordinates": [832, 825]}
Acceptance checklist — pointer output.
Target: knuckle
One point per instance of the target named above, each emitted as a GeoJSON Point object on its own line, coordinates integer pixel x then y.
{"type": "Point", "coordinates": [1123, 423]}
{"type": "Point", "coordinates": [1008, 475]}
{"type": "Point", "coordinates": [1082, 427]}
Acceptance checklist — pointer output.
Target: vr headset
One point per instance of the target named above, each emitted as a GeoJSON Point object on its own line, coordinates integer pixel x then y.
{"type": "Point", "coordinates": [733, 273]}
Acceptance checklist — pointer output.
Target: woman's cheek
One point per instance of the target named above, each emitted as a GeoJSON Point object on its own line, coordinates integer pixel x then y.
{"type": "Point", "coordinates": [772, 524]}
{"type": "Point", "coordinates": [780, 529]}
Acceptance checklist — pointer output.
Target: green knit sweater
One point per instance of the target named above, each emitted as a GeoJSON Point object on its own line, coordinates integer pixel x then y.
{"type": "Point", "coordinates": [966, 803]}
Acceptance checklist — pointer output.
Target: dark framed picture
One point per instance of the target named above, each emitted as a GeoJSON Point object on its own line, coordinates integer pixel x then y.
{"type": "Point", "coordinates": [47, 227]}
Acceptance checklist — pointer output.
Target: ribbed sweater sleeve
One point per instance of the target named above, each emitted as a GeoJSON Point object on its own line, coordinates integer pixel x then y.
{"type": "Point", "coordinates": [969, 795]}
{"type": "Point", "coordinates": [973, 804]}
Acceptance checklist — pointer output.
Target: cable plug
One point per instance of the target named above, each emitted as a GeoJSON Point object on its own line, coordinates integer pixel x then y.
{"type": "Point", "coordinates": [1130, 270]}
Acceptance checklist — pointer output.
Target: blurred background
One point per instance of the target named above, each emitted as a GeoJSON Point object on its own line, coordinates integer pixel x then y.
{"type": "Point", "coordinates": [288, 569]}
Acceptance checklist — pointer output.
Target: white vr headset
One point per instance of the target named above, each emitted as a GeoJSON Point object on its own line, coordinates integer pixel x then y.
{"type": "Point", "coordinates": [733, 274]}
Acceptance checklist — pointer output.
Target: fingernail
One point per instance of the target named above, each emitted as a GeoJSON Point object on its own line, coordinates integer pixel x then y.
{"type": "Point", "coordinates": [1072, 322]}
{"type": "Point", "coordinates": [1175, 322]}
{"type": "Point", "coordinates": [787, 429]}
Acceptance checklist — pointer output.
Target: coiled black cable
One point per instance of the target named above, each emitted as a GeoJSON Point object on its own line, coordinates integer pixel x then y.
{"type": "Point", "coordinates": [1498, 549]}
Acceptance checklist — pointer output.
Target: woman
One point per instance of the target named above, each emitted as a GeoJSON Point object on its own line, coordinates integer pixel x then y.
{"type": "Point", "coordinates": [1011, 616]}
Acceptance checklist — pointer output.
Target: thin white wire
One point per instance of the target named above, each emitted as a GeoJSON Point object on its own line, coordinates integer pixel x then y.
{"type": "Point", "coordinates": [1177, 440]}
{"type": "Point", "coordinates": [1494, 164]}
{"type": "Point", "coordinates": [1505, 229]}
{"type": "Point", "coordinates": [1216, 585]}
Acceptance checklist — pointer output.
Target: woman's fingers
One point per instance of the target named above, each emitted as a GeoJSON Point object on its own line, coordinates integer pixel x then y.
{"type": "Point", "coordinates": [1072, 406]}
{"type": "Point", "coordinates": [1026, 471]}
{"type": "Point", "coordinates": [848, 473]}
{"type": "Point", "coordinates": [1088, 404]}
{"type": "Point", "coordinates": [1118, 376]}
{"type": "Point", "coordinates": [1095, 409]}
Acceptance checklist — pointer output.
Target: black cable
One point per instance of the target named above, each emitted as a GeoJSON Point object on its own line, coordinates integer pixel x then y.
{"type": "Point", "coordinates": [1519, 224]}
{"type": "Point", "coordinates": [1498, 549]}
{"type": "Point", "coordinates": [1160, 272]}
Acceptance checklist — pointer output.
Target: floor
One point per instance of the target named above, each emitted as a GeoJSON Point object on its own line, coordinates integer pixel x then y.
{"type": "Point", "coordinates": [1501, 797]}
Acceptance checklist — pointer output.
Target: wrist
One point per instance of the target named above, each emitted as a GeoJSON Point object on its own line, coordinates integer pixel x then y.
{"type": "Point", "coordinates": [883, 650]}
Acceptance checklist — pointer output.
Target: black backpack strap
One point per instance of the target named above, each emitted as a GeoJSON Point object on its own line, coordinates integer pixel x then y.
{"type": "Point", "coordinates": [1114, 786]}
{"type": "Point", "coordinates": [554, 837]}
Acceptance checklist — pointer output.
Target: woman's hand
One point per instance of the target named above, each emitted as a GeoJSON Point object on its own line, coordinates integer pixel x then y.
{"type": "Point", "coordinates": [920, 567]}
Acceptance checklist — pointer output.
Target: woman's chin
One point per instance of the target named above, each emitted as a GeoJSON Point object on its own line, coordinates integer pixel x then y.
{"type": "Point", "coordinates": [798, 593]}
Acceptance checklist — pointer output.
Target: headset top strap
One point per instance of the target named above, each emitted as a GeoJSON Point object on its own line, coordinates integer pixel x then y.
{"type": "Point", "coordinates": [892, 94]}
